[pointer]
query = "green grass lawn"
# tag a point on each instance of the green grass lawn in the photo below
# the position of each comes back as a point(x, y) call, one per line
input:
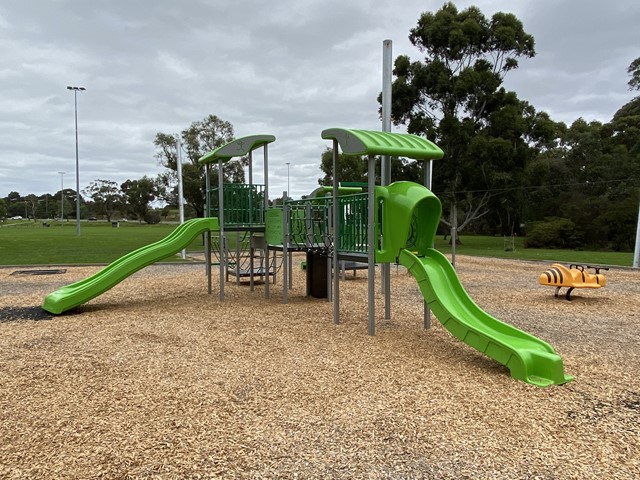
point(499, 247)
point(28, 243)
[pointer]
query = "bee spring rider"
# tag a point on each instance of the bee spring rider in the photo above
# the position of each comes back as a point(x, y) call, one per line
point(573, 277)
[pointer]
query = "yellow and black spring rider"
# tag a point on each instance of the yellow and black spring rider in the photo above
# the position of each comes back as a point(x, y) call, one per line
point(576, 276)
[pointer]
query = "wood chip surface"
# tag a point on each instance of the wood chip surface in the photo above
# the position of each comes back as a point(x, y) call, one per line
point(158, 379)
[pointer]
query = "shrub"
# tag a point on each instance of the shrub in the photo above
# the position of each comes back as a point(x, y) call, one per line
point(152, 217)
point(553, 232)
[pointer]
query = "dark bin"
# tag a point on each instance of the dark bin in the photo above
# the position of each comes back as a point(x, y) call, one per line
point(316, 275)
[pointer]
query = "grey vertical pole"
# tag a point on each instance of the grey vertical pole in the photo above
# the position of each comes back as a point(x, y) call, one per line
point(636, 253)
point(386, 160)
point(251, 249)
point(290, 269)
point(237, 257)
point(285, 253)
point(454, 228)
point(336, 237)
point(428, 171)
point(183, 252)
point(223, 246)
point(75, 103)
point(266, 207)
point(371, 272)
point(330, 257)
point(207, 238)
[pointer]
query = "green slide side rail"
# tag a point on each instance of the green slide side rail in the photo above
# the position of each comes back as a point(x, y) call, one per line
point(80, 292)
point(528, 358)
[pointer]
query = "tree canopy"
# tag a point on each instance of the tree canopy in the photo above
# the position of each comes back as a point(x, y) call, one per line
point(634, 71)
point(454, 96)
point(199, 138)
point(139, 194)
point(107, 197)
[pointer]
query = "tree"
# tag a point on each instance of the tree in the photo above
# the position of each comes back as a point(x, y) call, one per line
point(3, 209)
point(31, 202)
point(455, 97)
point(63, 204)
point(107, 197)
point(634, 71)
point(351, 168)
point(200, 138)
point(139, 194)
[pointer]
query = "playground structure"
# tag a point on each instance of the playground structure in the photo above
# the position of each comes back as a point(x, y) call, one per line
point(385, 224)
point(573, 277)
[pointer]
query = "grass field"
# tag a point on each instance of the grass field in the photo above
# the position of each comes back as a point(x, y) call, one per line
point(484, 246)
point(28, 243)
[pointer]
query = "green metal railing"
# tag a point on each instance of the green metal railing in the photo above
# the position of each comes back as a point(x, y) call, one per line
point(243, 204)
point(308, 222)
point(354, 214)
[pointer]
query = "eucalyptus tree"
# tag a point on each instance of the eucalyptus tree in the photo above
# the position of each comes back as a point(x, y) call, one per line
point(139, 194)
point(454, 96)
point(634, 71)
point(107, 197)
point(199, 138)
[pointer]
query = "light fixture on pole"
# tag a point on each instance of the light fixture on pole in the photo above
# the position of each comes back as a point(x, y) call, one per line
point(75, 91)
point(288, 187)
point(62, 196)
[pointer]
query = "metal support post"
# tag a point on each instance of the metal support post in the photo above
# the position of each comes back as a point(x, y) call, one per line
point(336, 237)
point(636, 253)
point(223, 249)
point(267, 262)
point(207, 240)
point(428, 175)
point(183, 252)
point(385, 173)
point(454, 232)
point(285, 256)
point(371, 257)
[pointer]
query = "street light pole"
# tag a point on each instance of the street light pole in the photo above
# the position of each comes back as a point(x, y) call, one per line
point(75, 105)
point(62, 196)
point(288, 191)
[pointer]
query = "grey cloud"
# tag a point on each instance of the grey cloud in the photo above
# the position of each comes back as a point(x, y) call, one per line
point(290, 68)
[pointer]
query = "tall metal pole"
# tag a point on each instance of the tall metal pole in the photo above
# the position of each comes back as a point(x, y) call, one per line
point(75, 105)
point(267, 260)
point(223, 241)
point(183, 252)
point(371, 257)
point(386, 162)
point(636, 254)
point(207, 238)
point(288, 186)
point(428, 175)
point(335, 267)
point(62, 196)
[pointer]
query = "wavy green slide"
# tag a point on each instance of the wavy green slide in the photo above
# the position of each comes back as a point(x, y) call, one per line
point(410, 222)
point(528, 358)
point(80, 292)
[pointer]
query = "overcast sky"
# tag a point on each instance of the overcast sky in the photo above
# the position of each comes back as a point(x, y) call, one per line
point(290, 68)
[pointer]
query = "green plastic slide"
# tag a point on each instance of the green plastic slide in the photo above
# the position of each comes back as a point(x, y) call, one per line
point(80, 292)
point(528, 358)
point(410, 220)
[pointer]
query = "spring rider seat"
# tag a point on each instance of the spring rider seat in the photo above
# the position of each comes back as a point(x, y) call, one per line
point(573, 277)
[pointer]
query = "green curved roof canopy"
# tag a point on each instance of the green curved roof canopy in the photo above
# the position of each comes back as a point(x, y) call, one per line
point(236, 148)
point(368, 142)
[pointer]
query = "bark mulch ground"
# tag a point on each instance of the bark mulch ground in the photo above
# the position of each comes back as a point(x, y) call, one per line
point(157, 379)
